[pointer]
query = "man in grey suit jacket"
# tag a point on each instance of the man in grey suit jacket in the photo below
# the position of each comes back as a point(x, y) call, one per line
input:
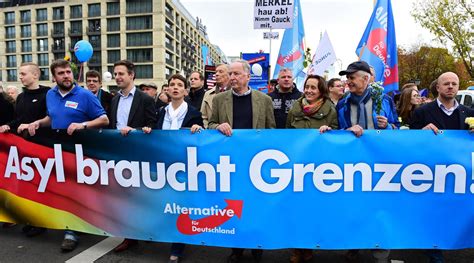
point(241, 108)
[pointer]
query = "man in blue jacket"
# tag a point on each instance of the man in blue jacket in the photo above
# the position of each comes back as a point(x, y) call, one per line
point(364, 108)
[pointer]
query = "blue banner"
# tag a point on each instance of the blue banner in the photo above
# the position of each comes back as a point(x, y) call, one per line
point(259, 65)
point(378, 45)
point(265, 189)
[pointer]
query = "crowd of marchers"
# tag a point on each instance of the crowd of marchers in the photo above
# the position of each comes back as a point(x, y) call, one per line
point(352, 104)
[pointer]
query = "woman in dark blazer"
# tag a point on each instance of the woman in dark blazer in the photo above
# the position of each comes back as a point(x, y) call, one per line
point(176, 115)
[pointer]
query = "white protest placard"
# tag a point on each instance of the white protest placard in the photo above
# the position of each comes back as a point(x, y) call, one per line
point(271, 35)
point(275, 14)
point(324, 56)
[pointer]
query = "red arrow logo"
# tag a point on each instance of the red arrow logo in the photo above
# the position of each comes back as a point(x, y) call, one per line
point(288, 59)
point(188, 226)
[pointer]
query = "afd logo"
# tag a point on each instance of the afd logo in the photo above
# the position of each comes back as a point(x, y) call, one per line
point(197, 220)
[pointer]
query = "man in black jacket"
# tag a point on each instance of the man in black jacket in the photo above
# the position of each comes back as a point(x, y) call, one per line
point(31, 103)
point(445, 113)
point(196, 94)
point(94, 84)
point(131, 109)
point(284, 97)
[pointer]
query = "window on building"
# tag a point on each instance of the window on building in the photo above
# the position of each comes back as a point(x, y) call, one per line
point(58, 28)
point(58, 43)
point(144, 71)
point(58, 13)
point(10, 32)
point(95, 41)
point(26, 46)
point(167, 72)
point(25, 31)
point(59, 55)
point(94, 10)
point(41, 30)
point(168, 9)
point(95, 59)
point(26, 58)
point(41, 14)
point(139, 22)
point(113, 8)
point(11, 47)
point(9, 18)
point(44, 74)
point(113, 56)
point(139, 6)
point(76, 27)
point(140, 55)
point(94, 25)
point(113, 40)
point(74, 40)
point(76, 11)
point(42, 44)
point(113, 24)
point(43, 60)
point(139, 39)
point(11, 75)
point(25, 16)
point(11, 61)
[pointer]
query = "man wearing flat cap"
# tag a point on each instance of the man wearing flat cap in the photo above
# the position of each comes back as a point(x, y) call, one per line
point(358, 110)
point(151, 90)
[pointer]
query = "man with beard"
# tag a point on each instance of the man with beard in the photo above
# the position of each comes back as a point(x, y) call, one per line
point(222, 82)
point(445, 112)
point(70, 107)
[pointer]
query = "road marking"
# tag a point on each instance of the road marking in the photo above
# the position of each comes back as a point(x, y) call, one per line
point(96, 251)
point(396, 261)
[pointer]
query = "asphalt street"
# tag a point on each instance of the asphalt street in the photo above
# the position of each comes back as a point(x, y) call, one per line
point(15, 247)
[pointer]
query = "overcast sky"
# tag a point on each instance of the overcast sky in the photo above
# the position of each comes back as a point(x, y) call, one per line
point(230, 25)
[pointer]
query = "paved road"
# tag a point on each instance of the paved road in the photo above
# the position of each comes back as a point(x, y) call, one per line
point(15, 247)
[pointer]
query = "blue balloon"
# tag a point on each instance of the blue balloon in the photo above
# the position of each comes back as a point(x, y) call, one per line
point(83, 50)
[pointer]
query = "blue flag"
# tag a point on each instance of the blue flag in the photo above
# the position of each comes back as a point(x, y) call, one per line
point(378, 45)
point(423, 93)
point(206, 56)
point(292, 48)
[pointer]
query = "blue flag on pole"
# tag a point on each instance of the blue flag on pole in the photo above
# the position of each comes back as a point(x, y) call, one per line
point(292, 48)
point(378, 45)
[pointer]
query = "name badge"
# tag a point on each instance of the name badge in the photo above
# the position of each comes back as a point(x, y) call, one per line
point(71, 104)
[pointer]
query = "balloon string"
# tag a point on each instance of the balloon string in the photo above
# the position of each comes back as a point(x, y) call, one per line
point(80, 73)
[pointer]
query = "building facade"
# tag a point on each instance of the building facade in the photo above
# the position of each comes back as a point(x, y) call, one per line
point(160, 37)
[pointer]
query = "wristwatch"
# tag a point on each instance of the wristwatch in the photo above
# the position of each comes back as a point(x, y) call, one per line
point(84, 124)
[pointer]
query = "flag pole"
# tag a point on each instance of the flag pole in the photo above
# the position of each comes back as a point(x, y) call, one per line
point(270, 55)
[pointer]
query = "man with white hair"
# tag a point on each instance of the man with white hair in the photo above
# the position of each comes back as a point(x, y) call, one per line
point(241, 107)
point(12, 91)
point(358, 110)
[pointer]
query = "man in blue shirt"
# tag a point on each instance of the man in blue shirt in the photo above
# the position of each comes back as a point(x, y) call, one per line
point(70, 107)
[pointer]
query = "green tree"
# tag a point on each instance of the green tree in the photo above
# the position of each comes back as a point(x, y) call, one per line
point(452, 22)
point(426, 64)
